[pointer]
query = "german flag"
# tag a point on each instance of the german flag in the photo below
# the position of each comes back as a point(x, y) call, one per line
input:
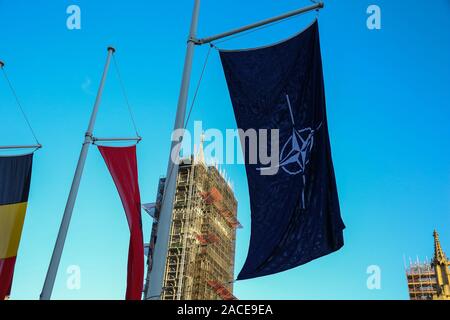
point(15, 176)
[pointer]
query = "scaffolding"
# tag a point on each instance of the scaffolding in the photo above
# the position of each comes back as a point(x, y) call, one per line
point(421, 277)
point(200, 259)
point(221, 290)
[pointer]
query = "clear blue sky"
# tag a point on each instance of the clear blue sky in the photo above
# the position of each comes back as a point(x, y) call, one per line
point(388, 106)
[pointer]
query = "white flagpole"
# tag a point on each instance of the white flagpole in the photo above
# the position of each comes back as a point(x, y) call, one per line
point(165, 218)
point(62, 234)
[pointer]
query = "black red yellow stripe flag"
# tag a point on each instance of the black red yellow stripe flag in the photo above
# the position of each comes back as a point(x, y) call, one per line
point(15, 176)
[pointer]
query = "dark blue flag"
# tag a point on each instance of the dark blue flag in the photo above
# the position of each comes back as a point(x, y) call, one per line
point(295, 208)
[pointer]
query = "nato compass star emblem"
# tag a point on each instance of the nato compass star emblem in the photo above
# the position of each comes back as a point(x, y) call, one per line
point(296, 152)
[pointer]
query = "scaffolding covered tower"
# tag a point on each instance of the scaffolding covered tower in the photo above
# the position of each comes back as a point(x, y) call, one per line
point(200, 258)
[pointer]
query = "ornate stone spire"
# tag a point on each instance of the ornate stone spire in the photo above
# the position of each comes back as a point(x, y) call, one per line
point(439, 255)
point(441, 266)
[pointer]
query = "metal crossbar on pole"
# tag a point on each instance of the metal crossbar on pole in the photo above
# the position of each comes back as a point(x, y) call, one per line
point(202, 41)
point(36, 146)
point(95, 139)
point(62, 234)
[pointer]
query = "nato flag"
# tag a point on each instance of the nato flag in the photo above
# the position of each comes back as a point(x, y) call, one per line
point(295, 209)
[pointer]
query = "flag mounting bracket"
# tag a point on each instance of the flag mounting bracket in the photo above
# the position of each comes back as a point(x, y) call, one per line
point(202, 41)
point(95, 139)
point(35, 146)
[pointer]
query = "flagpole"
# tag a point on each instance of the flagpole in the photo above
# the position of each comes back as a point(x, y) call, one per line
point(62, 234)
point(165, 218)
